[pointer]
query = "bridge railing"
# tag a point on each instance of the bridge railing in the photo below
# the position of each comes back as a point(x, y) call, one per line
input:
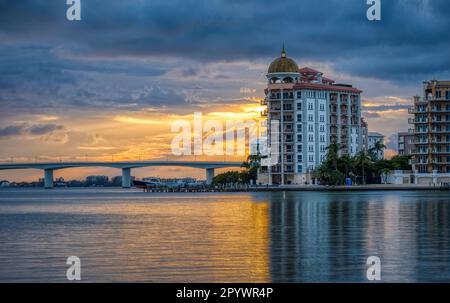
point(69, 159)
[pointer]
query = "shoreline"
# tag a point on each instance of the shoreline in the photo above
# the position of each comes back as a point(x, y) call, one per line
point(317, 188)
point(261, 188)
point(369, 187)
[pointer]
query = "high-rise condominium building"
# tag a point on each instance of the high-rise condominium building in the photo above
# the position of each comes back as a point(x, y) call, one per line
point(313, 112)
point(405, 142)
point(432, 128)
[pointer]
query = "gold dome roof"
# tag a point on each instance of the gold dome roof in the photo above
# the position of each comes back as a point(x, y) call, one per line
point(283, 64)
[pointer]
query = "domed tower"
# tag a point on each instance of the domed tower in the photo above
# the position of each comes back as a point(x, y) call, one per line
point(283, 70)
point(283, 74)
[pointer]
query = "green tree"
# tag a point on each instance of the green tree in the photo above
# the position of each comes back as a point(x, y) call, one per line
point(252, 164)
point(362, 161)
point(376, 149)
point(333, 154)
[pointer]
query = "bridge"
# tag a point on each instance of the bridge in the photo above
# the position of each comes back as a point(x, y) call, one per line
point(125, 166)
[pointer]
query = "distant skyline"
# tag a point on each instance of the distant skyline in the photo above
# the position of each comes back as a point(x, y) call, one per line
point(109, 86)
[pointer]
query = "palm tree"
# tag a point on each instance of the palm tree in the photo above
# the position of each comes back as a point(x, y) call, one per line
point(375, 150)
point(333, 154)
point(347, 164)
point(362, 160)
point(252, 164)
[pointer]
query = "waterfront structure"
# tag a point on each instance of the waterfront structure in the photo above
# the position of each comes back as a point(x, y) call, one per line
point(4, 183)
point(365, 132)
point(125, 166)
point(372, 139)
point(97, 180)
point(313, 111)
point(405, 142)
point(432, 128)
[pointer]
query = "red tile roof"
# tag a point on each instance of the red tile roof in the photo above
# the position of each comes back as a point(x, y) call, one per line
point(319, 86)
point(308, 70)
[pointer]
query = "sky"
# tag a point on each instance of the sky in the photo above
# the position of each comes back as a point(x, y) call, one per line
point(109, 86)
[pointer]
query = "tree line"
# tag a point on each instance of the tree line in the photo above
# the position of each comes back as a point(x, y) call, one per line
point(363, 168)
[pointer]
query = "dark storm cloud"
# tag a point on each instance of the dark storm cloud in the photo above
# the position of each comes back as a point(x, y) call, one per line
point(42, 129)
point(31, 129)
point(48, 60)
point(411, 41)
point(12, 130)
point(371, 115)
point(385, 107)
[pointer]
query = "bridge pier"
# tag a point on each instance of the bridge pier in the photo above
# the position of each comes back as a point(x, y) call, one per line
point(48, 178)
point(209, 175)
point(126, 177)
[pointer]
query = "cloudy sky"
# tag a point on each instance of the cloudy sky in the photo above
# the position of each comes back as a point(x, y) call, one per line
point(108, 86)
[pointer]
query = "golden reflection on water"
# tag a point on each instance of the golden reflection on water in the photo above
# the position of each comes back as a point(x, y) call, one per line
point(223, 241)
point(223, 237)
point(159, 238)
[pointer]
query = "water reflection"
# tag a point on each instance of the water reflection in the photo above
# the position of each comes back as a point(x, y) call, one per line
point(328, 236)
point(221, 237)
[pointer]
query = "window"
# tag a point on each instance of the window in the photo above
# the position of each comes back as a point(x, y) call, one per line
point(299, 138)
point(310, 138)
point(287, 106)
point(310, 128)
point(310, 118)
point(322, 118)
point(300, 168)
point(322, 138)
point(322, 128)
point(438, 94)
point(322, 148)
point(311, 158)
point(321, 107)
point(299, 94)
point(299, 158)
point(311, 148)
point(310, 106)
point(299, 106)
point(447, 95)
point(299, 128)
point(299, 117)
point(299, 148)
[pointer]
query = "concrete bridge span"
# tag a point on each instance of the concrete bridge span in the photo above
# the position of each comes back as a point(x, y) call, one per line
point(125, 166)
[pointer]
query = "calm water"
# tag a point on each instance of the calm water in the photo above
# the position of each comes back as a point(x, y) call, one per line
point(123, 235)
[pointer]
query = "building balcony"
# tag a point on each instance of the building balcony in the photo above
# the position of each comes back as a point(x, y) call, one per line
point(417, 121)
point(440, 121)
point(440, 110)
point(421, 131)
point(419, 152)
point(442, 131)
point(420, 101)
point(442, 152)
